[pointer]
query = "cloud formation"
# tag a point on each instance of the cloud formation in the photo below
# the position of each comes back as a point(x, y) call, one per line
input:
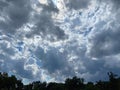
point(77, 4)
point(39, 40)
point(13, 15)
point(106, 43)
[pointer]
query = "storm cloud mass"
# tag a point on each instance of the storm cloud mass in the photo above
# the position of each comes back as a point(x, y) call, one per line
point(54, 39)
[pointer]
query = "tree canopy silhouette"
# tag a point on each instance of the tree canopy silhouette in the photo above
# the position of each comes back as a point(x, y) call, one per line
point(75, 83)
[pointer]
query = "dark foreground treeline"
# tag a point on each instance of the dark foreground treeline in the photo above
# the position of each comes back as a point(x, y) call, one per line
point(75, 83)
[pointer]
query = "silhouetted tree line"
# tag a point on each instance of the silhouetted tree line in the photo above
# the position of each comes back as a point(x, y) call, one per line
point(75, 83)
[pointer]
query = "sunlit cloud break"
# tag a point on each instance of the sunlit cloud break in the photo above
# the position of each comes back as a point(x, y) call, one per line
point(50, 40)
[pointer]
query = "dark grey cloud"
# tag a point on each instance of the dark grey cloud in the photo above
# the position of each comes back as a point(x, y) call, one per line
point(15, 14)
point(20, 70)
point(44, 24)
point(54, 61)
point(17, 67)
point(116, 3)
point(77, 4)
point(106, 43)
point(3, 4)
point(45, 27)
point(10, 64)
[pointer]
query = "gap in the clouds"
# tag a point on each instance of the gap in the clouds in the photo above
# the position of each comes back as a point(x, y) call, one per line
point(55, 2)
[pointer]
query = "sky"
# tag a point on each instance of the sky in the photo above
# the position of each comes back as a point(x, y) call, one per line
point(51, 40)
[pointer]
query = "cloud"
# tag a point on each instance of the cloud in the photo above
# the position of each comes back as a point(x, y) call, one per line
point(20, 70)
point(116, 3)
point(44, 24)
point(14, 15)
point(54, 61)
point(13, 31)
point(106, 43)
point(46, 28)
point(41, 41)
point(103, 42)
point(2, 4)
point(77, 4)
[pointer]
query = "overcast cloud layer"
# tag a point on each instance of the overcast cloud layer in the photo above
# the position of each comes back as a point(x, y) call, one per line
point(51, 40)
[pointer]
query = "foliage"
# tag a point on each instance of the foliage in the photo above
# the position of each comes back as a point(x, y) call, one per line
point(75, 83)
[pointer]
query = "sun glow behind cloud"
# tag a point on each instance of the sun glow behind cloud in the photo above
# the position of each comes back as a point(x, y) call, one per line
point(54, 40)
